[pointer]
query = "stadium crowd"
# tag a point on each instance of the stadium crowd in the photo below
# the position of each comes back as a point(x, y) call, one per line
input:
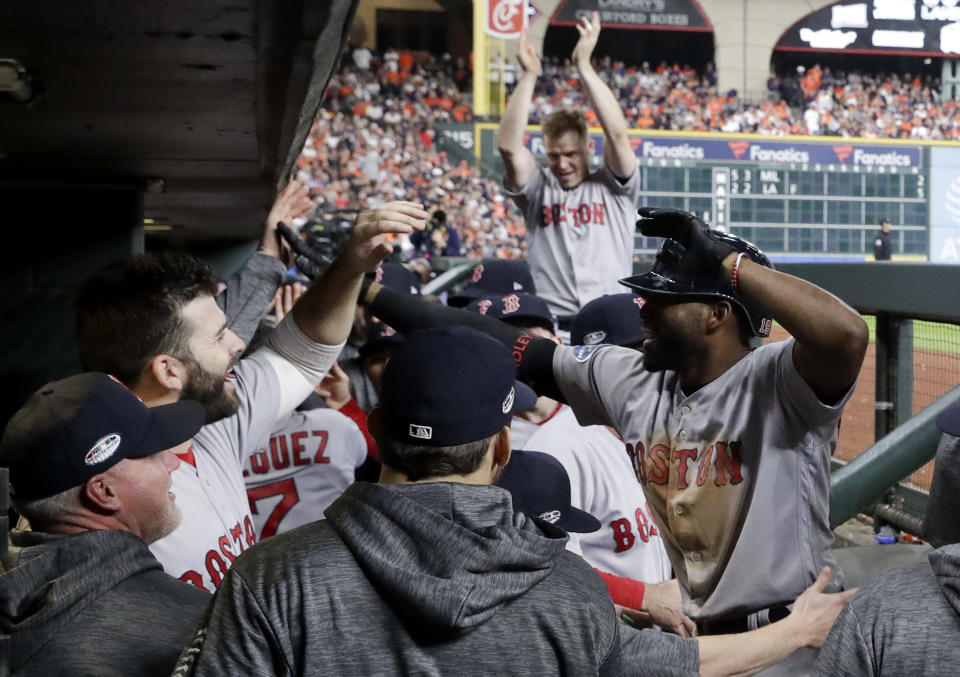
point(813, 101)
point(375, 141)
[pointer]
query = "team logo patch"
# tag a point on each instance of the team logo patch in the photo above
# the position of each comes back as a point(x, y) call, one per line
point(103, 449)
point(421, 432)
point(508, 403)
point(583, 353)
point(552, 516)
point(595, 337)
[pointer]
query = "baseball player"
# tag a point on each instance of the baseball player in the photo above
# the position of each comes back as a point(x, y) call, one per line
point(731, 444)
point(310, 459)
point(579, 223)
point(602, 481)
point(153, 323)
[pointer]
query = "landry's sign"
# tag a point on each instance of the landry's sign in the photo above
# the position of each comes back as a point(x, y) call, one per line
point(649, 14)
point(692, 149)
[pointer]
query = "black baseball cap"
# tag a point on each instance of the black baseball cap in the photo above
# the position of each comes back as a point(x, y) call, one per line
point(449, 386)
point(515, 307)
point(81, 426)
point(493, 277)
point(613, 319)
point(540, 488)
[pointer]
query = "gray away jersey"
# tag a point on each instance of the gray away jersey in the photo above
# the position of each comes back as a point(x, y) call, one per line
point(216, 525)
point(737, 474)
point(580, 240)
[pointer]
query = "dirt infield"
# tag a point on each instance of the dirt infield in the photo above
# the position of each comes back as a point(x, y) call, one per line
point(934, 373)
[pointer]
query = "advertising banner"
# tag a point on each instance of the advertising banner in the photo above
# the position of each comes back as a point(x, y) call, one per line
point(648, 14)
point(774, 151)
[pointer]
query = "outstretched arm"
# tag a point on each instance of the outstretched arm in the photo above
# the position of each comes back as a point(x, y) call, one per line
point(831, 336)
point(306, 343)
point(617, 153)
point(406, 312)
point(518, 162)
point(748, 653)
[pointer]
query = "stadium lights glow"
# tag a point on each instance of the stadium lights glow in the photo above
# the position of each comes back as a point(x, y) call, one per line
point(157, 228)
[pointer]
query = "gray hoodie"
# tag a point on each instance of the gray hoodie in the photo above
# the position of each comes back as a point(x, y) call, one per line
point(905, 621)
point(97, 603)
point(423, 579)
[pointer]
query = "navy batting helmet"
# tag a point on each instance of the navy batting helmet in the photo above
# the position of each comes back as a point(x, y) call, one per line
point(668, 277)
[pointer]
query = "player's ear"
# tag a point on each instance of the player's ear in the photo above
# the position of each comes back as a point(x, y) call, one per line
point(719, 315)
point(501, 448)
point(100, 493)
point(168, 371)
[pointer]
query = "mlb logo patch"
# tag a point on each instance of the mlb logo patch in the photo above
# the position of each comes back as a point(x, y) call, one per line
point(420, 432)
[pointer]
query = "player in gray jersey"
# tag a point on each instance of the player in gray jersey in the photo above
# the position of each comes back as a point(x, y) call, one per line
point(579, 223)
point(732, 444)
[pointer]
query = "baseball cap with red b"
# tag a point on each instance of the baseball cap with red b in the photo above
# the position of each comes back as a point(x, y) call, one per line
point(72, 429)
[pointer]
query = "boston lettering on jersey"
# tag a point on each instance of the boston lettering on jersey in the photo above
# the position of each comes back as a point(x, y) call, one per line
point(623, 537)
point(719, 462)
point(579, 216)
point(228, 549)
point(290, 449)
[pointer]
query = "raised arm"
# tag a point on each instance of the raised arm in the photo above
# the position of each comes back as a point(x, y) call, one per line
point(325, 312)
point(617, 153)
point(518, 162)
point(307, 342)
point(248, 293)
point(831, 336)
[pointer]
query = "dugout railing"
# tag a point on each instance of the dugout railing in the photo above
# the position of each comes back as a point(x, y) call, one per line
point(882, 466)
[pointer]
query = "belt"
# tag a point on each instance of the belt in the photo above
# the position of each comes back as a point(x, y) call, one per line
point(730, 625)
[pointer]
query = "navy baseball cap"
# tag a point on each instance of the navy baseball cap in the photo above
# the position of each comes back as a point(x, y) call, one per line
point(395, 276)
point(948, 420)
point(515, 307)
point(449, 386)
point(540, 488)
point(613, 319)
point(72, 429)
point(495, 277)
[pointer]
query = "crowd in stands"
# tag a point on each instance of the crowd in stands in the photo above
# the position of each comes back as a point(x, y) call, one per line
point(375, 141)
point(812, 101)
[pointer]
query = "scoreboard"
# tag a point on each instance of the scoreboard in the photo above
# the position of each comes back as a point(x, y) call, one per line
point(797, 198)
